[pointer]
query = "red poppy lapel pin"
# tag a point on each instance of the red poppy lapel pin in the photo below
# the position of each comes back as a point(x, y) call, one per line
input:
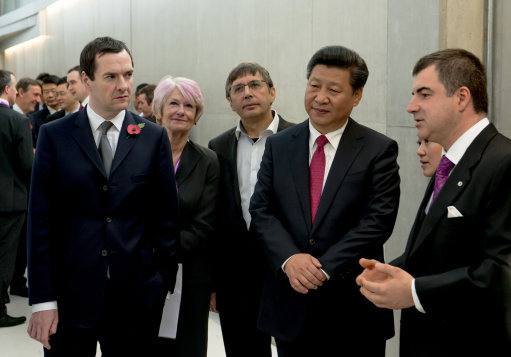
point(134, 130)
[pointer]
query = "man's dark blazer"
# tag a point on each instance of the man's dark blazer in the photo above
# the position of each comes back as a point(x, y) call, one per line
point(240, 263)
point(57, 115)
point(16, 156)
point(460, 264)
point(356, 215)
point(81, 224)
point(37, 119)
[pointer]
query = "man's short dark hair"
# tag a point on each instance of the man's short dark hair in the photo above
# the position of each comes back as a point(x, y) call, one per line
point(62, 80)
point(139, 88)
point(51, 79)
point(5, 79)
point(41, 76)
point(343, 58)
point(458, 68)
point(76, 68)
point(24, 83)
point(245, 68)
point(148, 90)
point(98, 47)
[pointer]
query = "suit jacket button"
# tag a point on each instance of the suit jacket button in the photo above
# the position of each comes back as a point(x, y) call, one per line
point(108, 219)
point(312, 241)
point(105, 188)
point(104, 253)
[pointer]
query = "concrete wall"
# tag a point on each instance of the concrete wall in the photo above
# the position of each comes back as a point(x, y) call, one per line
point(205, 39)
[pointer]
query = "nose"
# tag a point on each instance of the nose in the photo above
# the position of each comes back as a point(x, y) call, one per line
point(248, 92)
point(420, 151)
point(321, 97)
point(412, 106)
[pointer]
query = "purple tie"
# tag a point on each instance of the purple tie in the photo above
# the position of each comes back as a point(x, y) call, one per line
point(317, 173)
point(442, 174)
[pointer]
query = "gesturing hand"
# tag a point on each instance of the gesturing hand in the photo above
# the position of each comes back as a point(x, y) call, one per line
point(385, 285)
point(304, 273)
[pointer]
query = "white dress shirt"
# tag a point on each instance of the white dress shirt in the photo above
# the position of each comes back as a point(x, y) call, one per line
point(455, 153)
point(248, 160)
point(113, 137)
point(17, 108)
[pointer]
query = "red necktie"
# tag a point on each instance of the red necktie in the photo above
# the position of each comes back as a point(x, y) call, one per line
point(317, 173)
point(81, 107)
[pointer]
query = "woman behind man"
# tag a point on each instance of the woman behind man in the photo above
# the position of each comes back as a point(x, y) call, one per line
point(178, 105)
point(429, 154)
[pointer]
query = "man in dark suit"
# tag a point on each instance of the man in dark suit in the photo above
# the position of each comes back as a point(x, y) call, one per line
point(65, 100)
point(15, 166)
point(40, 117)
point(250, 92)
point(327, 194)
point(102, 223)
point(450, 280)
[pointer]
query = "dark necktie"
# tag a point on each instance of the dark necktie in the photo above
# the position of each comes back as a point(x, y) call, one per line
point(317, 174)
point(105, 149)
point(441, 175)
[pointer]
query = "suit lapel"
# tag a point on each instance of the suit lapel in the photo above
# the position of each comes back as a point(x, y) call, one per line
point(189, 159)
point(299, 166)
point(349, 147)
point(82, 134)
point(456, 183)
point(232, 151)
point(125, 143)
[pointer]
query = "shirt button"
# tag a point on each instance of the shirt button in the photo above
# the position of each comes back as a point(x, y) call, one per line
point(105, 188)
point(312, 241)
point(108, 219)
point(104, 253)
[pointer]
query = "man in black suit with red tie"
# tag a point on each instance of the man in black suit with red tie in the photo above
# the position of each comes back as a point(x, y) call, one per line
point(103, 219)
point(15, 165)
point(327, 194)
point(452, 280)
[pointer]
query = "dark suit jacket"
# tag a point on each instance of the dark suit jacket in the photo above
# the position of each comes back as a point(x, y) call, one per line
point(57, 115)
point(16, 156)
point(460, 264)
point(197, 180)
point(236, 247)
point(355, 217)
point(80, 223)
point(38, 118)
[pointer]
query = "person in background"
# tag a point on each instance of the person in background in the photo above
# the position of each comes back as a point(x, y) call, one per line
point(137, 92)
point(66, 101)
point(29, 95)
point(429, 154)
point(178, 105)
point(15, 165)
point(76, 87)
point(145, 102)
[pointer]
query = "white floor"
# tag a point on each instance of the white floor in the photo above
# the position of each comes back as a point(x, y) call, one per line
point(14, 341)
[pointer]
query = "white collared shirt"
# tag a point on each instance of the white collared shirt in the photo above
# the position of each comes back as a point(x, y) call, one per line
point(112, 134)
point(330, 147)
point(454, 154)
point(17, 108)
point(85, 102)
point(248, 160)
point(3, 101)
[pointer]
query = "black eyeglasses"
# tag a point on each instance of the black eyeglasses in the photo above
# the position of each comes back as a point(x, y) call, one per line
point(254, 85)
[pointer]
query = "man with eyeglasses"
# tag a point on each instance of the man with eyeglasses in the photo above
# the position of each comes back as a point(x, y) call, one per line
point(40, 117)
point(241, 265)
point(65, 100)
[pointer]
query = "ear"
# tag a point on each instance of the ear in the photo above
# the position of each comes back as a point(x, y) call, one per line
point(464, 97)
point(86, 81)
point(272, 94)
point(357, 94)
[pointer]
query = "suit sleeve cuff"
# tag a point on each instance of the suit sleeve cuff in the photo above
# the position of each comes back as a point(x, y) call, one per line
point(416, 300)
point(50, 305)
point(283, 266)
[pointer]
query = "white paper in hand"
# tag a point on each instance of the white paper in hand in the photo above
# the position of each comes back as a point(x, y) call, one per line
point(170, 315)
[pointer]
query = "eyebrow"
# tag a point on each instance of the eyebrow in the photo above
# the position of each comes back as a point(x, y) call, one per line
point(420, 89)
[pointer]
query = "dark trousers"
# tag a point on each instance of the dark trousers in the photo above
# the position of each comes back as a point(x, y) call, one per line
point(124, 330)
point(11, 224)
point(18, 280)
point(192, 327)
point(239, 310)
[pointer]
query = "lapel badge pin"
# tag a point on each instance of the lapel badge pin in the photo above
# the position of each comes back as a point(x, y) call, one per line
point(460, 183)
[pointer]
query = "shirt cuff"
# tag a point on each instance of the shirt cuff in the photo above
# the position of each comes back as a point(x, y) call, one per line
point(416, 300)
point(50, 305)
point(284, 264)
